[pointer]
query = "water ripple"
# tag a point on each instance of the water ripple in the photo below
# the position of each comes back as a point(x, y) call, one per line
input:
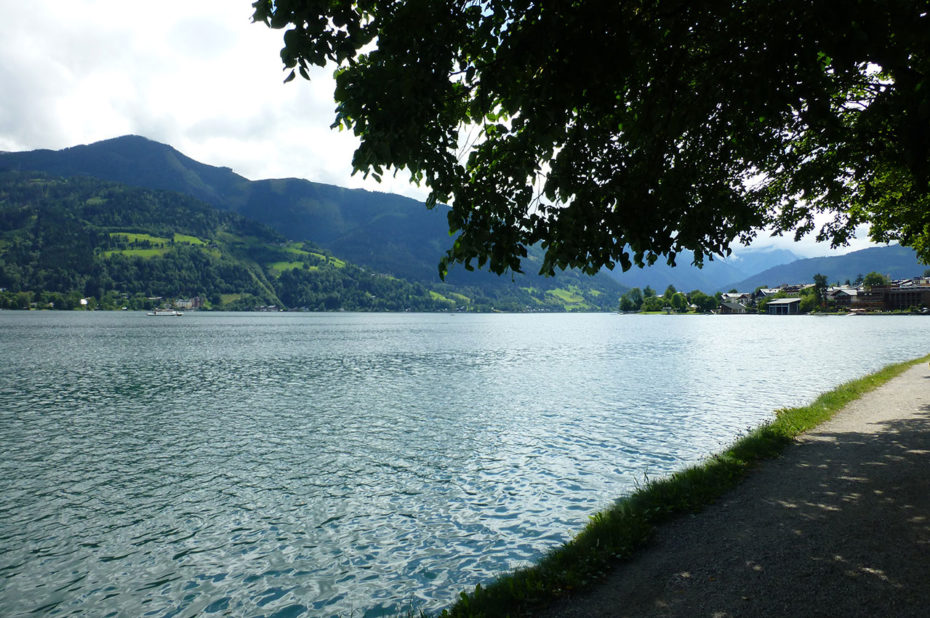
point(357, 464)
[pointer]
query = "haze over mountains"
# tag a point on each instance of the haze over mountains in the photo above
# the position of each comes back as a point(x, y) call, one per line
point(719, 274)
point(748, 269)
point(398, 236)
point(895, 261)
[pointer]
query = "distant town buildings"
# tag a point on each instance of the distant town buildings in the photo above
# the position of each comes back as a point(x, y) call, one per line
point(728, 307)
point(195, 302)
point(901, 295)
point(783, 306)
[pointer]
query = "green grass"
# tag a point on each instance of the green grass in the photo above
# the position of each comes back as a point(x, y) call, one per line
point(437, 296)
point(618, 532)
point(187, 240)
point(297, 249)
point(158, 244)
point(225, 299)
point(336, 262)
point(134, 237)
point(141, 253)
point(279, 267)
point(534, 294)
point(570, 298)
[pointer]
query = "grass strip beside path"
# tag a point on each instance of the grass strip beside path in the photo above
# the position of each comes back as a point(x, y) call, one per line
point(616, 533)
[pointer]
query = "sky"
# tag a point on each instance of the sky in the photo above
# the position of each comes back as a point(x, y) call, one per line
point(199, 76)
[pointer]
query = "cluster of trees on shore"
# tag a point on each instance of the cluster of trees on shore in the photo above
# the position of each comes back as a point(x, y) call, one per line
point(75, 300)
point(647, 300)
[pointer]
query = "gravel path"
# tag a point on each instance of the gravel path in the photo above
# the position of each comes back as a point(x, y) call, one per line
point(839, 525)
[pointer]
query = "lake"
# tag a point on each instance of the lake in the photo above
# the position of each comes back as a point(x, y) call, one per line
point(359, 464)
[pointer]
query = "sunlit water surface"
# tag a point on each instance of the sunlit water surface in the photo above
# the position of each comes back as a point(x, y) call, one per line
point(360, 464)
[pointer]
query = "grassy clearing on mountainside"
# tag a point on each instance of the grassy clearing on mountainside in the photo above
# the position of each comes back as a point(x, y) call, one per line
point(146, 253)
point(226, 299)
point(131, 237)
point(279, 267)
point(437, 296)
point(188, 240)
point(570, 298)
point(152, 246)
point(297, 249)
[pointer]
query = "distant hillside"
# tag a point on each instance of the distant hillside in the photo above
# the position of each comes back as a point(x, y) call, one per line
point(387, 233)
point(91, 237)
point(135, 161)
point(714, 275)
point(895, 261)
point(82, 236)
point(390, 233)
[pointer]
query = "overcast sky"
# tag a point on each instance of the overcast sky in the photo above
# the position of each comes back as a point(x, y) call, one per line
point(197, 75)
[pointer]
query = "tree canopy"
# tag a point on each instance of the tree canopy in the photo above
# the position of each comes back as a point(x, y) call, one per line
point(820, 289)
point(619, 132)
point(873, 279)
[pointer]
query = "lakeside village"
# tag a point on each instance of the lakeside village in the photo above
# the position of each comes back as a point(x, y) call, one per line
point(871, 294)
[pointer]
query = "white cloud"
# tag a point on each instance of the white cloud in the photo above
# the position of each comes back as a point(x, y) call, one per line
point(196, 75)
point(808, 246)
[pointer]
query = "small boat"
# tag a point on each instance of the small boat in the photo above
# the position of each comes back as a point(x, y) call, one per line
point(171, 312)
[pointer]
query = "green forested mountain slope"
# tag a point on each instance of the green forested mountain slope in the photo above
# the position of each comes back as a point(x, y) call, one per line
point(390, 233)
point(89, 236)
point(134, 161)
point(94, 238)
point(82, 236)
point(387, 233)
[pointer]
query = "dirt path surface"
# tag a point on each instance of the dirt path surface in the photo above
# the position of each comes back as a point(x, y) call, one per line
point(839, 525)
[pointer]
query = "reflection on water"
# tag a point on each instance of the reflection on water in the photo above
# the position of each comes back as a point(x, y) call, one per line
point(324, 464)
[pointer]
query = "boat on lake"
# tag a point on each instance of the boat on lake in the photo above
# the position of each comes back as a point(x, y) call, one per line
point(158, 312)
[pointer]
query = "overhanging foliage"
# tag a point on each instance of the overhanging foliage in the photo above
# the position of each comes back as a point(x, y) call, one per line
point(618, 132)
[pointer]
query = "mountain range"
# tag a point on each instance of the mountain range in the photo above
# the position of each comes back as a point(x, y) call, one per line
point(716, 274)
point(65, 238)
point(894, 261)
point(394, 236)
point(746, 269)
point(400, 238)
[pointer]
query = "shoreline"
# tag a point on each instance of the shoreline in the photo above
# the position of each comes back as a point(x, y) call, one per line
point(622, 533)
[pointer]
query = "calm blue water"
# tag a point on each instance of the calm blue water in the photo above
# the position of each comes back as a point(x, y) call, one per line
point(357, 464)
